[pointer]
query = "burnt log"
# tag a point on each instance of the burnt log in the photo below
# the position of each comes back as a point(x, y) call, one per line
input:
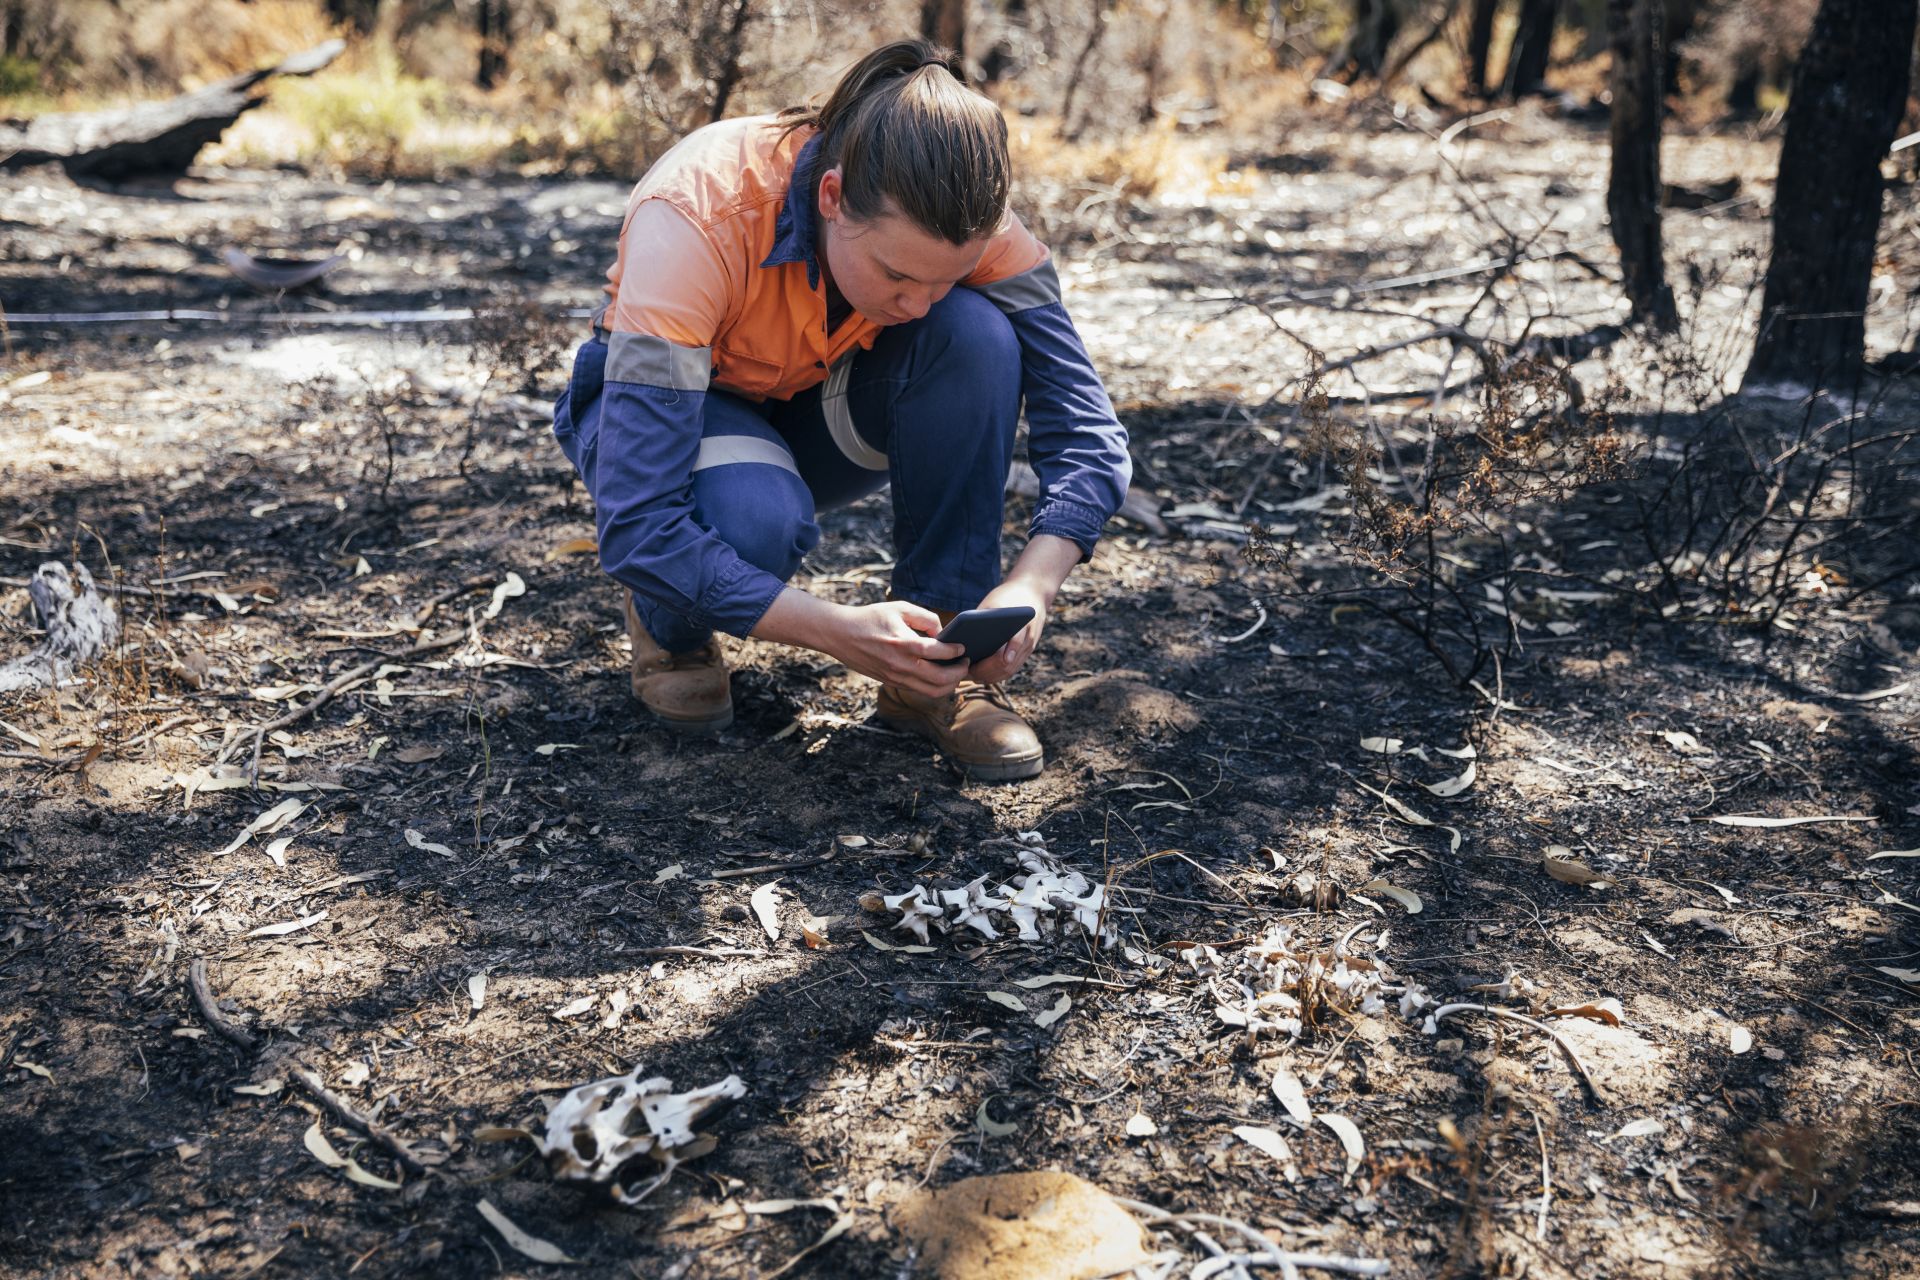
point(148, 139)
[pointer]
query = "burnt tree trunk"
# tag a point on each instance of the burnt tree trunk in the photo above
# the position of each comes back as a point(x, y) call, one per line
point(1094, 32)
point(1364, 51)
point(358, 15)
point(13, 21)
point(1848, 92)
point(726, 70)
point(1376, 23)
point(944, 22)
point(1743, 91)
point(1675, 26)
point(495, 18)
point(1411, 49)
point(1480, 44)
point(1532, 48)
point(1633, 182)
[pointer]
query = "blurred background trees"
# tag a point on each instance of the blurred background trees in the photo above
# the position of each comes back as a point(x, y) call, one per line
point(675, 63)
point(1106, 88)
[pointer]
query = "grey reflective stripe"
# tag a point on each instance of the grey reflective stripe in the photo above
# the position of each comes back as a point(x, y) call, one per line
point(833, 406)
point(719, 451)
point(655, 362)
point(1029, 289)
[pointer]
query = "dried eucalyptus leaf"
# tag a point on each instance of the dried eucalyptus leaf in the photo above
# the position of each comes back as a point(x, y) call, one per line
point(766, 908)
point(531, 1246)
point(1272, 1144)
point(1292, 1095)
point(988, 1125)
point(322, 1150)
point(512, 586)
point(1405, 897)
point(1349, 1134)
point(1455, 785)
point(1560, 863)
point(355, 1173)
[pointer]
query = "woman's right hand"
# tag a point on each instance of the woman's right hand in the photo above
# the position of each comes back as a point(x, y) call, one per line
point(892, 642)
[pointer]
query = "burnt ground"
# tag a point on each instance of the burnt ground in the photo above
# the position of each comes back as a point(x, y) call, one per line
point(311, 498)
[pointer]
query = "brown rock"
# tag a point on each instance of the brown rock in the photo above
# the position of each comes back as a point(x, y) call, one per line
point(1046, 1225)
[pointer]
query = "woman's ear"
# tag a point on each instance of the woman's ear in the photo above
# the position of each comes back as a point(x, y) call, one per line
point(831, 194)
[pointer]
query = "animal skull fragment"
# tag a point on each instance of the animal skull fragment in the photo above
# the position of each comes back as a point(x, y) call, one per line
point(594, 1130)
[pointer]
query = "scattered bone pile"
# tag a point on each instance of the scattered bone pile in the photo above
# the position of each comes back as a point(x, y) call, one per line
point(1037, 903)
point(595, 1130)
point(1272, 985)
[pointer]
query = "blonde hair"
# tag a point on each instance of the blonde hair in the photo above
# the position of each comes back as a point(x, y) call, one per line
point(910, 137)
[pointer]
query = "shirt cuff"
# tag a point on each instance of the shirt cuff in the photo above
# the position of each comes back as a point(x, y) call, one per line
point(1074, 521)
point(736, 601)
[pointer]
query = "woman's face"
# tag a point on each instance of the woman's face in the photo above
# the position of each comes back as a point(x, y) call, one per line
point(888, 269)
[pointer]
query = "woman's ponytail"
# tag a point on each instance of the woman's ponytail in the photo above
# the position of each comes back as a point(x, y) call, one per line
point(910, 137)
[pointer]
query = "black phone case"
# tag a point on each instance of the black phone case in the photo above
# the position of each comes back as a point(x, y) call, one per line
point(984, 631)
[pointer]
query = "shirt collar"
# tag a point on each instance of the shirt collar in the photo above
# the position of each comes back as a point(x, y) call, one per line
point(793, 230)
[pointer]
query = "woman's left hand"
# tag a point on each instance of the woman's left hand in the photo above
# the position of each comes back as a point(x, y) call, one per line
point(1016, 651)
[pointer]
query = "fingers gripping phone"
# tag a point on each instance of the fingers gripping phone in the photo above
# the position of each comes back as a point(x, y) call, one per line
point(984, 631)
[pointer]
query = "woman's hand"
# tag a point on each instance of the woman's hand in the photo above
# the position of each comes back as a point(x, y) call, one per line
point(1036, 577)
point(892, 643)
point(1015, 652)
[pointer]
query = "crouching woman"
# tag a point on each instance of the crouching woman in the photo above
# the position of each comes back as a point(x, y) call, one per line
point(807, 308)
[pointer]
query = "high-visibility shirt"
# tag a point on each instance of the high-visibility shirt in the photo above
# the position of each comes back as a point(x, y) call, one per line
point(717, 284)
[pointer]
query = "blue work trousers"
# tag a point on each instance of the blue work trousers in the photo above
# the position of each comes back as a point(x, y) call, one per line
point(933, 408)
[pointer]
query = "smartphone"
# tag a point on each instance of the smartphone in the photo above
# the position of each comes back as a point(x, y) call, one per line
point(984, 631)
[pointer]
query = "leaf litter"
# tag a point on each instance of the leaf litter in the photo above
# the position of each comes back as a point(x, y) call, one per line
point(903, 954)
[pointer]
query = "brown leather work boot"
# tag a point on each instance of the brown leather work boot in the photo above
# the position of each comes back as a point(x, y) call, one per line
point(975, 726)
point(686, 692)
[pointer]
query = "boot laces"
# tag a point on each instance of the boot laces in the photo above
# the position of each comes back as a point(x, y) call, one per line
point(973, 691)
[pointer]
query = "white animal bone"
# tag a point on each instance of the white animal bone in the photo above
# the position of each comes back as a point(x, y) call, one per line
point(592, 1130)
point(916, 910)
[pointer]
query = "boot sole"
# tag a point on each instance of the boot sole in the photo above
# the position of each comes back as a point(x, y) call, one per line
point(1016, 770)
point(692, 728)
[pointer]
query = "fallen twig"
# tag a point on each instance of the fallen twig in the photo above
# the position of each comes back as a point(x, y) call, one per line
point(210, 1009)
point(1546, 1181)
point(308, 1079)
point(426, 609)
point(1579, 1067)
point(696, 951)
point(78, 758)
point(326, 695)
point(767, 867)
point(344, 1111)
point(1268, 1254)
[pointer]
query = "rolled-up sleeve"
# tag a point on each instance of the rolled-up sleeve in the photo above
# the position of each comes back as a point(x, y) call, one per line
point(659, 361)
point(1075, 443)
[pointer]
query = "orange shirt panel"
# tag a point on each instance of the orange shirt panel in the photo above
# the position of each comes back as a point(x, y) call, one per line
point(688, 269)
